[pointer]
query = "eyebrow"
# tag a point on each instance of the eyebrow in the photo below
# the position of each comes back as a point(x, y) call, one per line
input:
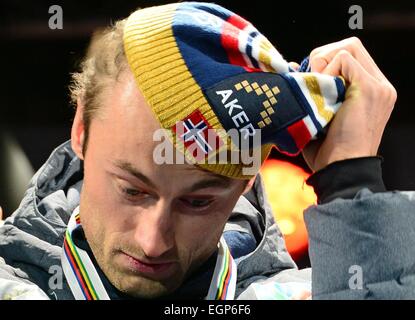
point(128, 167)
point(215, 181)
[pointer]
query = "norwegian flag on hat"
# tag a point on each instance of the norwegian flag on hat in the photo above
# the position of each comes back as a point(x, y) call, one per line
point(197, 135)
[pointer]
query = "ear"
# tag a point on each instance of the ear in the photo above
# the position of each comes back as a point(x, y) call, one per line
point(249, 184)
point(78, 130)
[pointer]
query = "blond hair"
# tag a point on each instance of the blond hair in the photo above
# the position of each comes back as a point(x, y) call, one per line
point(101, 67)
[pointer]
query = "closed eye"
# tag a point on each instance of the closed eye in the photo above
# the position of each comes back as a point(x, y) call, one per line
point(197, 202)
point(131, 192)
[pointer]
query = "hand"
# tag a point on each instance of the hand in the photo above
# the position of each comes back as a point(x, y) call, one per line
point(1, 213)
point(357, 128)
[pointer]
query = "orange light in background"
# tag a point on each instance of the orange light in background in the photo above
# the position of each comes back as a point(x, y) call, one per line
point(289, 196)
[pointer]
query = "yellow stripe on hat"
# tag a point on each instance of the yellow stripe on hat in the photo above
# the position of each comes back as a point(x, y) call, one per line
point(164, 79)
point(315, 93)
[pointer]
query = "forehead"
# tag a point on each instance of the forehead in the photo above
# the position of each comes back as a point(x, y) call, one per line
point(124, 134)
point(124, 104)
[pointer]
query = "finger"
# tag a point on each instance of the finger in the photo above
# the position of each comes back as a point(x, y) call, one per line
point(318, 63)
point(321, 57)
point(344, 64)
point(1, 213)
point(294, 65)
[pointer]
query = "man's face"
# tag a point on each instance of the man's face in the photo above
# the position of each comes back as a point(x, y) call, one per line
point(149, 226)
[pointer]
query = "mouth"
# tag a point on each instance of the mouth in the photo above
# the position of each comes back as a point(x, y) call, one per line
point(153, 270)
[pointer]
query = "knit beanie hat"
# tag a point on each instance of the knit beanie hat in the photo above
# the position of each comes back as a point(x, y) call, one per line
point(200, 66)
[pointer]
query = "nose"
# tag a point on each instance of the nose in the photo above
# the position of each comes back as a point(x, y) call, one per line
point(155, 230)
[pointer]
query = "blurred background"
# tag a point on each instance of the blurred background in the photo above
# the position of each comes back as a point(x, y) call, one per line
point(36, 62)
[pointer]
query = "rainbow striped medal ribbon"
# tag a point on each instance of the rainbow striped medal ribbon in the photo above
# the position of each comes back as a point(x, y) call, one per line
point(223, 284)
point(78, 268)
point(86, 284)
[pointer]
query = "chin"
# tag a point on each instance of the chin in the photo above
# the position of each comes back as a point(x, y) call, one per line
point(146, 289)
point(140, 287)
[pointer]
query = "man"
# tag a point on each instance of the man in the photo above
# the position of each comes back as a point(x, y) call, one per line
point(103, 219)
